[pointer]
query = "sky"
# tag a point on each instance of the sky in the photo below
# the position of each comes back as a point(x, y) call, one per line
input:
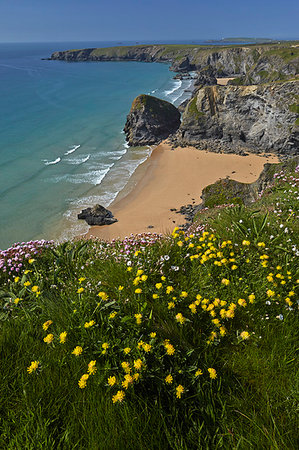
point(144, 20)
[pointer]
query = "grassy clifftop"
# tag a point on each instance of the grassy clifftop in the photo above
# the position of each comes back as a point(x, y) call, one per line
point(190, 335)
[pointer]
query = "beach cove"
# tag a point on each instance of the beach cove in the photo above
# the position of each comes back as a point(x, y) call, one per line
point(168, 179)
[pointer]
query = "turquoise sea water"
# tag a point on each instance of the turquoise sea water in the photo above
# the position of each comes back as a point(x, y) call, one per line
point(61, 141)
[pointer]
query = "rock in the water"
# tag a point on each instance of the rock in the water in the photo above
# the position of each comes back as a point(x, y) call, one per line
point(150, 121)
point(98, 215)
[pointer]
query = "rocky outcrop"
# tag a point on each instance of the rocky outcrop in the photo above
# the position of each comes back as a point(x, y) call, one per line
point(98, 215)
point(206, 77)
point(259, 118)
point(252, 63)
point(227, 191)
point(150, 121)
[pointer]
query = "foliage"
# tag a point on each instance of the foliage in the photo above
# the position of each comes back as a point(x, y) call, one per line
point(191, 335)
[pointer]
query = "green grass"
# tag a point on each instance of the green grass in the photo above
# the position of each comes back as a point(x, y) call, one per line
point(251, 404)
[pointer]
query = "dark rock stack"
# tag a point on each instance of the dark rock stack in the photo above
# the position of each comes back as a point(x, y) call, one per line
point(98, 215)
point(150, 121)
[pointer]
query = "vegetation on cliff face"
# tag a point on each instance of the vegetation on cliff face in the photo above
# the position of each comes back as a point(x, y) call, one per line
point(190, 335)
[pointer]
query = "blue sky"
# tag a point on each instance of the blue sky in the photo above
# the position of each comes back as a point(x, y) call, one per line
point(137, 20)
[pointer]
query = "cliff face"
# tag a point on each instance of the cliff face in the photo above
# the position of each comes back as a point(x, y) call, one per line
point(237, 118)
point(150, 120)
point(253, 64)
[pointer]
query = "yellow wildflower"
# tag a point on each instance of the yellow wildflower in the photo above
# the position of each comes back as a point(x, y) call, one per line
point(242, 302)
point(47, 324)
point(169, 289)
point(27, 283)
point(139, 272)
point(34, 289)
point(126, 366)
point(80, 290)
point(198, 373)
point(171, 305)
point(16, 279)
point(153, 335)
point(127, 350)
point(83, 380)
point(77, 351)
point(147, 348)
point(179, 391)
point(89, 324)
point(180, 243)
point(138, 291)
point(169, 379)
point(128, 379)
point(112, 315)
point(144, 277)
point(270, 293)
point(138, 364)
point(92, 367)
point(138, 318)
point(17, 300)
point(213, 373)
point(81, 279)
point(225, 281)
point(62, 337)
point(33, 366)
point(120, 288)
point(261, 244)
point(111, 381)
point(31, 260)
point(118, 397)
point(246, 243)
point(103, 296)
point(192, 307)
point(251, 298)
point(244, 335)
point(49, 338)
point(155, 296)
point(105, 346)
point(184, 294)
point(234, 267)
point(169, 349)
point(180, 318)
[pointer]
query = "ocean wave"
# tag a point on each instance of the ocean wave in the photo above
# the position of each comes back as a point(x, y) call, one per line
point(93, 177)
point(73, 149)
point(79, 160)
point(177, 85)
point(49, 163)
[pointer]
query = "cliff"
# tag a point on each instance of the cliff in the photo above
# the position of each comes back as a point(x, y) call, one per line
point(150, 120)
point(252, 63)
point(238, 118)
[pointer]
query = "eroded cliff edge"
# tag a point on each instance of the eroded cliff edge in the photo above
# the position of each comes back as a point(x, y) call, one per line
point(255, 118)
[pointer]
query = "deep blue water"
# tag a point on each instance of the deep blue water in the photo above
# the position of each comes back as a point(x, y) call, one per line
point(61, 141)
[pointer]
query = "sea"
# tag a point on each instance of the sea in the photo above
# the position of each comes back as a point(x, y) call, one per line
point(62, 146)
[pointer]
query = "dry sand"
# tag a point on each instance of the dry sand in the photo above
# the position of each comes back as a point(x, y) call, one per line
point(223, 81)
point(171, 179)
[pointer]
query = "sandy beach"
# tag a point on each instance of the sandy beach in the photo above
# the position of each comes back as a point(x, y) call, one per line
point(171, 179)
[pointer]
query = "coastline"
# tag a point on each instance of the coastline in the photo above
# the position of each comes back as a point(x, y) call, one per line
point(171, 178)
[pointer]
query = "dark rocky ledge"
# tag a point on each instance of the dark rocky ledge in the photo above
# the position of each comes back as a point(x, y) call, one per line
point(98, 215)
